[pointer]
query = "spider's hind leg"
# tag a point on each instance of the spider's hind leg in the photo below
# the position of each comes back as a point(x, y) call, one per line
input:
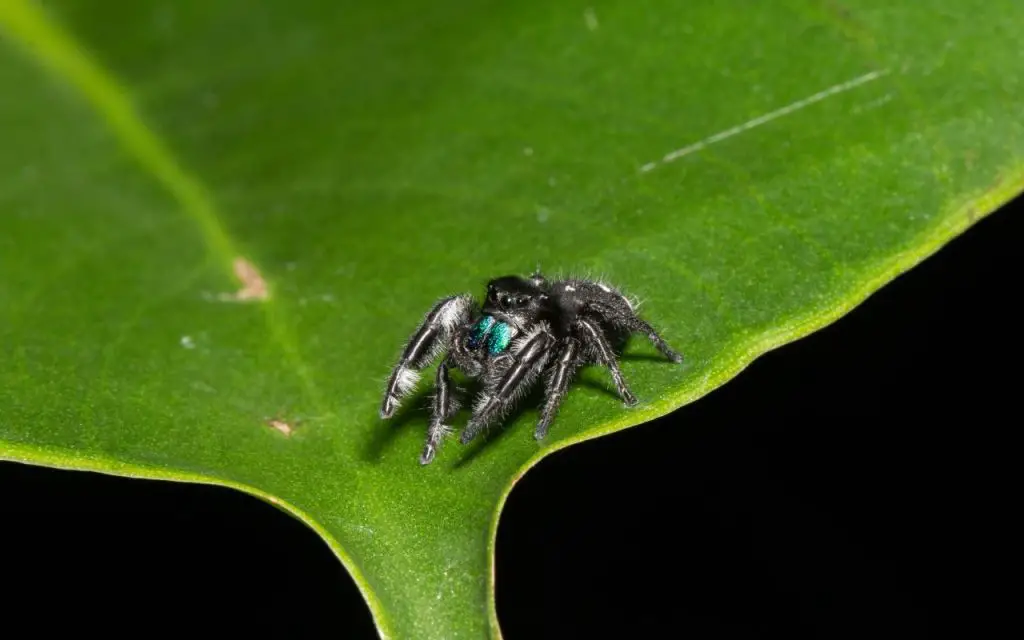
point(594, 338)
point(430, 339)
point(634, 323)
point(623, 316)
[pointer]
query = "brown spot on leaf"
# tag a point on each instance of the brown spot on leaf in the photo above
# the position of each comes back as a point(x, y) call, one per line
point(280, 425)
point(254, 287)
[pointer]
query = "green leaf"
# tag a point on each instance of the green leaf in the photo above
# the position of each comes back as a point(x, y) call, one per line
point(749, 170)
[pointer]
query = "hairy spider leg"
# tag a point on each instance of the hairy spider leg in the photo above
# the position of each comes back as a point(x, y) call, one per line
point(445, 405)
point(429, 340)
point(558, 385)
point(526, 363)
point(537, 278)
point(630, 321)
point(594, 336)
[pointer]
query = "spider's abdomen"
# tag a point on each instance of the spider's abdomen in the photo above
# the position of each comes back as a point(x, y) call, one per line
point(495, 335)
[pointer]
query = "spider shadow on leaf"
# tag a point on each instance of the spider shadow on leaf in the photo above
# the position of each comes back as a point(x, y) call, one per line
point(415, 411)
point(589, 376)
point(500, 429)
point(642, 357)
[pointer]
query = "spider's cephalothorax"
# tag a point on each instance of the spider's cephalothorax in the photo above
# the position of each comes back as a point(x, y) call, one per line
point(526, 328)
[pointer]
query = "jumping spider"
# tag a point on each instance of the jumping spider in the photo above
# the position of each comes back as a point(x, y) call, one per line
point(526, 327)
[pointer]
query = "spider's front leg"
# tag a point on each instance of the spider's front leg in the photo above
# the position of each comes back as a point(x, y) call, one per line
point(431, 337)
point(562, 372)
point(526, 364)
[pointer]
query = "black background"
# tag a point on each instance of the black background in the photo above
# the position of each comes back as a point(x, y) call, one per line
point(853, 484)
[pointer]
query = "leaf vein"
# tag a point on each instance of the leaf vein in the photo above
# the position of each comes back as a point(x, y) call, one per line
point(54, 49)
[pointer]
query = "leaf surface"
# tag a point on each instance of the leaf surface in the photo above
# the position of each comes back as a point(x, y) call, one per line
point(750, 171)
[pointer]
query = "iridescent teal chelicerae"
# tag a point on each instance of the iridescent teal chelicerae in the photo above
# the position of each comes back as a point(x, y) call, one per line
point(500, 336)
point(496, 335)
point(480, 331)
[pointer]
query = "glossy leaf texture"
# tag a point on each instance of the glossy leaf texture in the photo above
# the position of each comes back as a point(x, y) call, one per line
point(750, 171)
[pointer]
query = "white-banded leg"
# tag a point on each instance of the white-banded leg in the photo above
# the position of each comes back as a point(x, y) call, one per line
point(562, 373)
point(594, 337)
point(525, 366)
point(445, 405)
point(430, 338)
point(628, 320)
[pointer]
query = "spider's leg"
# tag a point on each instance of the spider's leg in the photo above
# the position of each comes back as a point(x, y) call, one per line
point(634, 323)
point(629, 320)
point(558, 383)
point(526, 363)
point(445, 405)
point(537, 278)
point(430, 338)
point(594, 337)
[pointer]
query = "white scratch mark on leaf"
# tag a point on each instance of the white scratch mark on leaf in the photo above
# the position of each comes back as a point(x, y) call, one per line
point(590, 19)
point(187, 342)
point(874, 104)
point(768, 117)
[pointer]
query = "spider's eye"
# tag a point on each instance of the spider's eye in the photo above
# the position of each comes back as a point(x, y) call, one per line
point(505, 300)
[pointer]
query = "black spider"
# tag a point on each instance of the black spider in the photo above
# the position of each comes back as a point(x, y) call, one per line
point(526, 326)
